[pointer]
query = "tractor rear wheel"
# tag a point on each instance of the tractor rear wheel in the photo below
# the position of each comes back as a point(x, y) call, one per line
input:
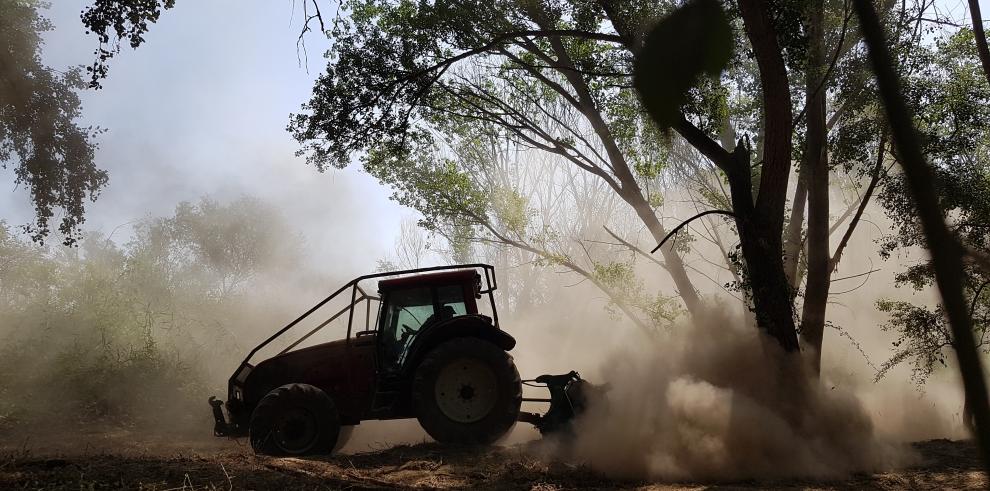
point(467, 391)
point(294, 419)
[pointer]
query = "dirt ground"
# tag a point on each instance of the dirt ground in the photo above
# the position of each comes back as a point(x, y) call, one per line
point(119, 460)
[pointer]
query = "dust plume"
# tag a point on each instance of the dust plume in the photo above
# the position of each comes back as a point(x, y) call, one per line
point(715, 400)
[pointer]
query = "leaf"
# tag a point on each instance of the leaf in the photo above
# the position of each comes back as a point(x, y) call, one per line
point(694, 40)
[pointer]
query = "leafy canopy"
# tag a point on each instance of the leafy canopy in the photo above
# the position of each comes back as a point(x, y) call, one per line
point(39, 134)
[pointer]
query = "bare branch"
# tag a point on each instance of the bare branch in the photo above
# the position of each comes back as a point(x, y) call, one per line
point(689, 220)
point(862, 204)
point(635, 249)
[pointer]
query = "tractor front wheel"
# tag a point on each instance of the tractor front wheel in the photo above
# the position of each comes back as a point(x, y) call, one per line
point(294, 419)
point(467, 391)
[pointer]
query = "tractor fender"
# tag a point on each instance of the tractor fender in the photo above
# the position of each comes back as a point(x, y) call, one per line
point(471, 325)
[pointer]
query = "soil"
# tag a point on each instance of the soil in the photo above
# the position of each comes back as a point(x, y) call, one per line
point(118, 459)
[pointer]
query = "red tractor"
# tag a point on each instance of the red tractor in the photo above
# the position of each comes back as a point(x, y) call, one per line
point(429, 354)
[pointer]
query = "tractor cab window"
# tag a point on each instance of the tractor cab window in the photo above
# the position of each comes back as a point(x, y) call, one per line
point(451, 301)
point(407, 311)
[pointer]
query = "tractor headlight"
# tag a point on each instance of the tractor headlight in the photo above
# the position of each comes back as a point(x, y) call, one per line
point(238, 395)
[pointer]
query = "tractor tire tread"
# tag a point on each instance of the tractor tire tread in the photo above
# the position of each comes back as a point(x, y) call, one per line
point(279, 399)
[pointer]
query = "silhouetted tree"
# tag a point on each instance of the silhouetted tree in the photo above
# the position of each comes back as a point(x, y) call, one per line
point(947, 252)
point(52, 156)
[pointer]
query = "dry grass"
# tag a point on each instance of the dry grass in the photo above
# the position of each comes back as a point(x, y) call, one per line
point(946, 465)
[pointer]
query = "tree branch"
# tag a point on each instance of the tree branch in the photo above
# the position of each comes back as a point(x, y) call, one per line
point(981, 37)
point(862, 204)
point(573, 267)
point(704, 143)
point(689, 220)
point(503, 38)
point(633, 248)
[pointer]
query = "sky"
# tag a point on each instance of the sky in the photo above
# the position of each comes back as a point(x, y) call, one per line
point(201, 109)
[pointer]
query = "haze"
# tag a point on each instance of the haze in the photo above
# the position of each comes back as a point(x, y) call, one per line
point(201, 110)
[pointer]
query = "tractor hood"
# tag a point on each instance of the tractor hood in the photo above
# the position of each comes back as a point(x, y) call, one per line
point(311, 354)
point(322, 365)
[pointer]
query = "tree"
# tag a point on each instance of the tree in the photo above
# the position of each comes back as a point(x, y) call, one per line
point(949, 96)
point(124, 330)
point(759, 222)
point(227, 243)
point(39, 131)
point(557, 79)
point(407, 76)
point(482, 190)
point(412, 248)
point(947, 253)
point(385, 94)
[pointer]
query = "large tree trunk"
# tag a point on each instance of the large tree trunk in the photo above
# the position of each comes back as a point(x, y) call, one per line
point(761, 248)
point(816, 158)
point(761, 225)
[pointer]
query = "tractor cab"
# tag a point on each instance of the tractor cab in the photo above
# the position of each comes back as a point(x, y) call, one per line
point(415, 304)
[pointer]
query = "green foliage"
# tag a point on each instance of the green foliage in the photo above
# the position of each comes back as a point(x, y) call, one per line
point(230, 242)
point(645, 147)
point(511, 210)
point(553, 259)
point(117, 21)
point(52, 156)
point(460, 244)
point(437, 188)
point(135, 331)
point(923, 338)
point(682, 240)
point(382, 81)
point(621, 278)
point(693, 41)
point(655, 199)
point(420, 84)
point(951, 101)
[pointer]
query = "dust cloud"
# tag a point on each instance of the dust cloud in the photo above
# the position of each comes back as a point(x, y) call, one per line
point(709, 398)
point(715, 400)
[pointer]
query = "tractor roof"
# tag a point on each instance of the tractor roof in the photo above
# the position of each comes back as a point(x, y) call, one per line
point(429, 279)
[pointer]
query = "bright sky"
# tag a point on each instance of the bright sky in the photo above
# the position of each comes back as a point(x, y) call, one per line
point(200, 109)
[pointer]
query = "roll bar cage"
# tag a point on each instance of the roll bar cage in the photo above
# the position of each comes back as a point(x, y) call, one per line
point(491, 285)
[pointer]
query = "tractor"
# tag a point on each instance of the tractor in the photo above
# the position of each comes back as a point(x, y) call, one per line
point(429, 354)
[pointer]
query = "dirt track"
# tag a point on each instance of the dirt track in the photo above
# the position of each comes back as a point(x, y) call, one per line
point(947, 465)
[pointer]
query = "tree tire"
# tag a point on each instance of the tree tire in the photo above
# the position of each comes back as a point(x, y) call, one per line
point(294, 420)
point(488, 388)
